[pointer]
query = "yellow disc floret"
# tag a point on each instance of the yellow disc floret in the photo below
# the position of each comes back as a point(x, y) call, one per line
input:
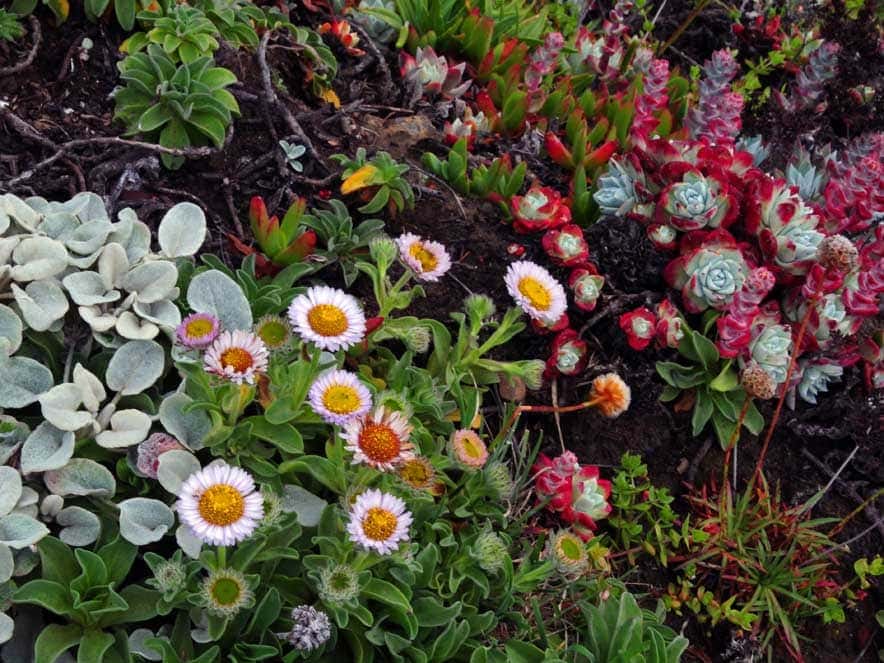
point(221, 505)
point(327, 320)
point(537, 294)
point(379, 524)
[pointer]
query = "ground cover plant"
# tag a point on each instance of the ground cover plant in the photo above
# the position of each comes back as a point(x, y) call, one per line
point(489, 331)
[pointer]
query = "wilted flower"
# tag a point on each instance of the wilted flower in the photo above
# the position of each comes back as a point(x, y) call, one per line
point(468, 449)
point(149, 452)
point(224, 592)
point(379, 439)
point(418, 473)
point(569, 354)
point(586, 284)
point(670, 325)
point(536, 291)
point(541, 208)
point(710, 274)
point(490, 552)
point(566, 245)
point(639, 325)
point(757, 382)
point(610, 394)
point(310, 630)
point(379, 521)
point(838, 252)
point(428, 260)
point(434, 73)
point(198, 330)
point(220, 505)
point(238, 356)
point(696, 202)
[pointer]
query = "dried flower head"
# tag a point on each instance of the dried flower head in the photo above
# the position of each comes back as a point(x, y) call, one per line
point(419, 474)
point(468, 449)
point(757, 382)
point(567, 552)
point(310, 630)
point(838, 252)
point(611, 395)
point(274, 331)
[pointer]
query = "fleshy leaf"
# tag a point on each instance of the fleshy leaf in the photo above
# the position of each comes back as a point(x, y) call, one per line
point(47, 448)
point(81, 476)
point(24, 380)
point(20, 531)
point(81, 527)
point(127, 427)
point(175, 467)
point(216, 293)
point(135, 366)
point(144, 520)
point(182, 230)
point(10, 480)
point(189, 428)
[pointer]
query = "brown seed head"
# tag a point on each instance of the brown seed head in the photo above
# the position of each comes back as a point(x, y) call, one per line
point(838, 252)
point(757, 382)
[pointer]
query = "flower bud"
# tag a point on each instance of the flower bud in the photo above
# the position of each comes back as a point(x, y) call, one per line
point(498, 479)
point(480, 307)
point(490, 552)
point(383, 251)
point(417, 339)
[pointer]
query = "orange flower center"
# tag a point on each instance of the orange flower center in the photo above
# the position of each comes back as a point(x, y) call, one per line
point(221, 505)
point(341, 399)
point(379, 443)
point(237, 358)
point(537, 294)
point(379, 524)
point(427, 259)
point(327, 320)
point(199, 328)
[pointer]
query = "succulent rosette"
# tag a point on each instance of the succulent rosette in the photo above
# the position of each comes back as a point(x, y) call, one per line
point(566, 246)
point(770, 348)
point(669, 329)
point(469, 126)
point(569, 354)
point(574, 491)
point(586, 284)
point(815, 378)
point(617, 191)
point(696, 202)
point(665, 238)
point(639, 325)
point(434, 73)
point(544, 327)
point(709, 272)
point(785, 226)
point(541, 208)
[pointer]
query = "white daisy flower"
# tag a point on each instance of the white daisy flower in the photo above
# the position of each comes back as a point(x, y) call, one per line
point(536, 291)
point(339, 397)
point(379, 521)
point(220, 505)
point(330, 318)
point(237, 355)
point(379, 439)
point(428, 260)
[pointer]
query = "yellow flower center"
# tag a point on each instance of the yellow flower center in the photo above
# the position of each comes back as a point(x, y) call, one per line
point(327, 320)
point(537, 294)
point(379, 443)
point(427, 259)
point(199, 328)
point(341, 399)
point(416, 472)
point(379, 524)
point(237, 358)
point(472, 446)
point(221, 505)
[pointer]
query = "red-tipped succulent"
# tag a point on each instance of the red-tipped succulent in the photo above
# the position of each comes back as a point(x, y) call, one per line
point(575, 492)
point(669, 329)
point(569, 354)
point(586, 283)
point(540, 209)
point(735, 327)
point(640, 327)
point(433, 72)
point(566, 245)
point(283, 242)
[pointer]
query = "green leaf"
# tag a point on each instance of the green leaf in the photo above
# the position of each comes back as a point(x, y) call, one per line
point(321, 469)
point(142, 606)
point(54, 640)
point(153, 118)
point(125, 11)
point(57, 562)
point(52, 596)
point(118, 557)
point(523, 652)
point(726, 380)
point(703, 408)
point(387, 593)
point(265, 613)
point(93, 646)
point(724, 429)
point(753, 421)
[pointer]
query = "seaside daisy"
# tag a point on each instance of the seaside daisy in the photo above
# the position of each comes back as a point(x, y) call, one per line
point(238, 356)
point(275, 331)
point(198, 330)
point(330, 318)
point(339, 397)
point(225, 592)
point(536, 291)
point(379, 439)
point(468, 448)
point(220, 505)
point(379, 521)
point(428, 260)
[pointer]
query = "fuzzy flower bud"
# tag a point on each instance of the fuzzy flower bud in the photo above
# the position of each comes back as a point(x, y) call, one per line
point(311, 628)
point(757, 382)
point(338, 584)
point(383, 251)
point(490, 552)
point(498, 479)
point(417, 339)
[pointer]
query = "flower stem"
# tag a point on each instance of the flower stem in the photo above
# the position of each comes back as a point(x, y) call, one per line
point(546, 409)
point(222, 557)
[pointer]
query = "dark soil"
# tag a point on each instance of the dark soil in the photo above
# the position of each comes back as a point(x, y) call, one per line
point(64, 97)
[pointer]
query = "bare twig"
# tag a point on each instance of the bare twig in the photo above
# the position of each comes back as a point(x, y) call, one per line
point(65, 69)
point(32, 54)
point(272, 99)
point(388, 85)
point(456, 197)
